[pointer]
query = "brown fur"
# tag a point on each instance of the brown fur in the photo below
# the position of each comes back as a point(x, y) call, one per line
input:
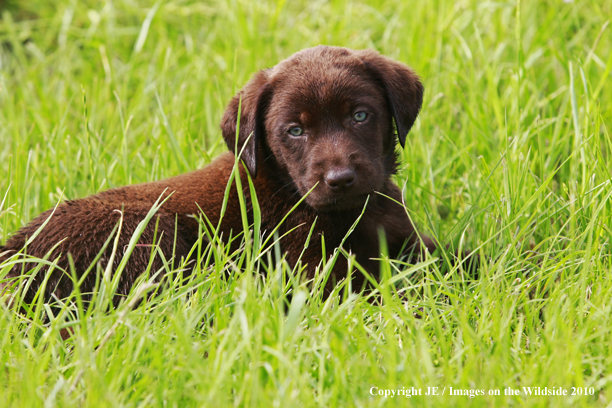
point(318, 89)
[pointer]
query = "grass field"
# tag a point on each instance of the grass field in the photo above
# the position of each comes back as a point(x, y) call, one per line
point(511, 156)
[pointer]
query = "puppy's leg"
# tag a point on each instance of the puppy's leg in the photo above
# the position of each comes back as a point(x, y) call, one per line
point(404, 240)
point(81, 228)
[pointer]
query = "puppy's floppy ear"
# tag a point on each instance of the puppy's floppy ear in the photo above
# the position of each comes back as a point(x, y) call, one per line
point(402, 86)
point(252, 101)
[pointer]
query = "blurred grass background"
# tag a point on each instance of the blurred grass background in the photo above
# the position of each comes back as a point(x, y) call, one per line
point(510, 156)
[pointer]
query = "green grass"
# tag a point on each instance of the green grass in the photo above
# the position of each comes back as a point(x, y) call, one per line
point(511, 156)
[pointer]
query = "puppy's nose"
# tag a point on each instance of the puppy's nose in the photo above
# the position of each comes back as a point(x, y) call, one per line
point(338, 178)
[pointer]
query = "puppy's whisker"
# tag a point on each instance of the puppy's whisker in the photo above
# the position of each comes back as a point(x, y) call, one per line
point(282, 188)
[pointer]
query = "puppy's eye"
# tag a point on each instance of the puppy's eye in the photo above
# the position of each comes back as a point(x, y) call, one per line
point(296, 131)
point(360, 116)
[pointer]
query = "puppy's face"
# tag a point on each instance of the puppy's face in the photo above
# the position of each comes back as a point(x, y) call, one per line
point(329, 128)
point(324, 118)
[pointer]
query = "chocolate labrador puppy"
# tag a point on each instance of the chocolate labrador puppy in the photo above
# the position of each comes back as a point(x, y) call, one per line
point(321, 126)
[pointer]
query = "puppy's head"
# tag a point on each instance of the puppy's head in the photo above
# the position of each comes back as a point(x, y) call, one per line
point(324, 118)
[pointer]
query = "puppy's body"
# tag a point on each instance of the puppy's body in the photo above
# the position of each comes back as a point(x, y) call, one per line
point(319, 122)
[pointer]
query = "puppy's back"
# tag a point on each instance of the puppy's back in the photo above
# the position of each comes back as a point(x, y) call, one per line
point(81, 227)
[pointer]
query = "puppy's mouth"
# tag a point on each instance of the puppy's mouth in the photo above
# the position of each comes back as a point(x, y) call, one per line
point(342, 203)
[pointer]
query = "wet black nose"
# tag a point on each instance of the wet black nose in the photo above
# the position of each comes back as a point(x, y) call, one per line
point(339, 178)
